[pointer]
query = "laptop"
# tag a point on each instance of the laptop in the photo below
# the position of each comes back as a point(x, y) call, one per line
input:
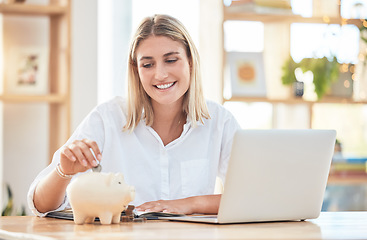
point(274, 175)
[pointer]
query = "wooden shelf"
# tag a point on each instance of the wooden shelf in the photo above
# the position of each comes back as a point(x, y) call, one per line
point(32, 10)
point(230, 13)
point(58, 31)
point(280, 22)
point(52, 98)
point(295, 100)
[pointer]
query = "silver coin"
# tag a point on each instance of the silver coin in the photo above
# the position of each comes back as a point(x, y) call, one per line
point(98, 168)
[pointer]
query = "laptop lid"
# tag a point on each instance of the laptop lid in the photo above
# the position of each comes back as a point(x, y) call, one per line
point(276, 175)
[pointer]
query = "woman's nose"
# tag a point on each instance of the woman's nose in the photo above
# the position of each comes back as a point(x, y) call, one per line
point(160, 72)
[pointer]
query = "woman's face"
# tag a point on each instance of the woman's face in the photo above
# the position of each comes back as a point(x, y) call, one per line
point(164, 69)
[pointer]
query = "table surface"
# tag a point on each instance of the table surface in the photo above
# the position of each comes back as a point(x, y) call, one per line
point(330, 225)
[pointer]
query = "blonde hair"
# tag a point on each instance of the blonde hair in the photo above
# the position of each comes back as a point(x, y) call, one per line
point(139, 102)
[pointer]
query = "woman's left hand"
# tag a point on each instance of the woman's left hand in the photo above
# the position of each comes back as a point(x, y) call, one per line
point(169, 206)
point(206, 204)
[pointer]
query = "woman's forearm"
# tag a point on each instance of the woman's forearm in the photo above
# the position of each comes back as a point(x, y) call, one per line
point(50, 192)
point(208, 204)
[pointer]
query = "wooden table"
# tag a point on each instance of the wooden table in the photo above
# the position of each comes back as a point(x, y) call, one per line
point(330, 225)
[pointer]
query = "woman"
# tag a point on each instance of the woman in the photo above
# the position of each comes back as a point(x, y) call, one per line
point(167, 141)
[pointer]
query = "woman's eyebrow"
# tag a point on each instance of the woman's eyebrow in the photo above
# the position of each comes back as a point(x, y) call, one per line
point(170, 53)
point(145, 57)
point(164, 55)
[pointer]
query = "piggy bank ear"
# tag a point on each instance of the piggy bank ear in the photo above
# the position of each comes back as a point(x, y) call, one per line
point(120, 177)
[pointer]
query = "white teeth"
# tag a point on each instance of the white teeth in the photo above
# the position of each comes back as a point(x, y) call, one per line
point(164, 86)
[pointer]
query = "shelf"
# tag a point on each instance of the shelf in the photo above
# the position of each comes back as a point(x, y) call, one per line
point(277, 32)
point(347, 179)
point(295, 100)
point(231, 13)
point(32, 10)
point(35, 119)
point(52, 98)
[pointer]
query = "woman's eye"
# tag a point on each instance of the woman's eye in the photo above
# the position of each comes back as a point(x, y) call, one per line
point(147, 65)
point(171, 60)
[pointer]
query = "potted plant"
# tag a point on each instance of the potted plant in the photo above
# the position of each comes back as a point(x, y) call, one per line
point(325, 72)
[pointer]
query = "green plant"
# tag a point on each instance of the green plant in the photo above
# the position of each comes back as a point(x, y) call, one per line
point(9, 206)
point(8, 210)
point(325, 72)
point(363, 36)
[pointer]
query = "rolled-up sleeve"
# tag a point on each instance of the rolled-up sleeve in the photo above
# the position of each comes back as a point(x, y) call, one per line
point(34, 184)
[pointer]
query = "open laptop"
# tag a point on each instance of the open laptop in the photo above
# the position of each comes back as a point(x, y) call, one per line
point(274, 175)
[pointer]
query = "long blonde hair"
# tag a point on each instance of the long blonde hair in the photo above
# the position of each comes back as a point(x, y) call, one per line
point(139, 102)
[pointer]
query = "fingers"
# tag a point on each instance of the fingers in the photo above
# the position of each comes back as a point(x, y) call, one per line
point(85, 151)
point(159, 206)
point(82, 153)
point(93, 145)
point(155, 206)
point(68, 153)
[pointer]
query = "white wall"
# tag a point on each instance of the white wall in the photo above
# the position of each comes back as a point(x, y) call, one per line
point(100, 40)
point(211, 48)
point(84, 70)
point(25, 146)
point(114, 30)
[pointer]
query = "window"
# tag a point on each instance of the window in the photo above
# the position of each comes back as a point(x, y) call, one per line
point(243, 36)
point(322, 40)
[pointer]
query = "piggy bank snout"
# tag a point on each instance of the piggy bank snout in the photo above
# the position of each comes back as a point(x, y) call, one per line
point(125, 189)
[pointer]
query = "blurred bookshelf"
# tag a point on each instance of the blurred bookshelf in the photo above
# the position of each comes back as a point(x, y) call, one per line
point(347, 183)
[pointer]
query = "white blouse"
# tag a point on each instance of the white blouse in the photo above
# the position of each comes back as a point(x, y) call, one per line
point(188, 166)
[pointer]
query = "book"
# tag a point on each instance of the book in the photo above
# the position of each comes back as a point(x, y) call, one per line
point(266, 3)
point(345, 166)
point(281, 7)
point(156, 215)
point(67, 214)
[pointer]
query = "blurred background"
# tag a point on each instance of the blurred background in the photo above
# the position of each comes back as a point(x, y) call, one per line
point(273, 63)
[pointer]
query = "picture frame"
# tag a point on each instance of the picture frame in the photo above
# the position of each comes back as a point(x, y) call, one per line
point(27, 71)
point(330, 8)
point(247, 76)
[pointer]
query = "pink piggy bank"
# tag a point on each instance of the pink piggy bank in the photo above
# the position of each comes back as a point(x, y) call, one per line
point(96, 194)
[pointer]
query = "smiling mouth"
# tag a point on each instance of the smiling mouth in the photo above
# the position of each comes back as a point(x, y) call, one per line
point(165, 86)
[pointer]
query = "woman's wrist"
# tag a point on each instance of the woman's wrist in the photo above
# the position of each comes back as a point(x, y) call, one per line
point(195, 204)
point(61, 173)
point(208, 204)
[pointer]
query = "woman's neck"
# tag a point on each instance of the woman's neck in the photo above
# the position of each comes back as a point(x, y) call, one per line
point(168, 121)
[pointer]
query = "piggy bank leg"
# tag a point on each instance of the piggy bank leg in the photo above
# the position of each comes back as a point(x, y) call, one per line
point(116, 218)
point(105, 217)
point(89, 220)
point(79, 218)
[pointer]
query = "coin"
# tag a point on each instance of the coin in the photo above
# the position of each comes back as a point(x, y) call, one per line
point(98, 168)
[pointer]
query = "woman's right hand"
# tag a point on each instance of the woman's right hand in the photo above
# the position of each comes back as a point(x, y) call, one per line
point(77, 156)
